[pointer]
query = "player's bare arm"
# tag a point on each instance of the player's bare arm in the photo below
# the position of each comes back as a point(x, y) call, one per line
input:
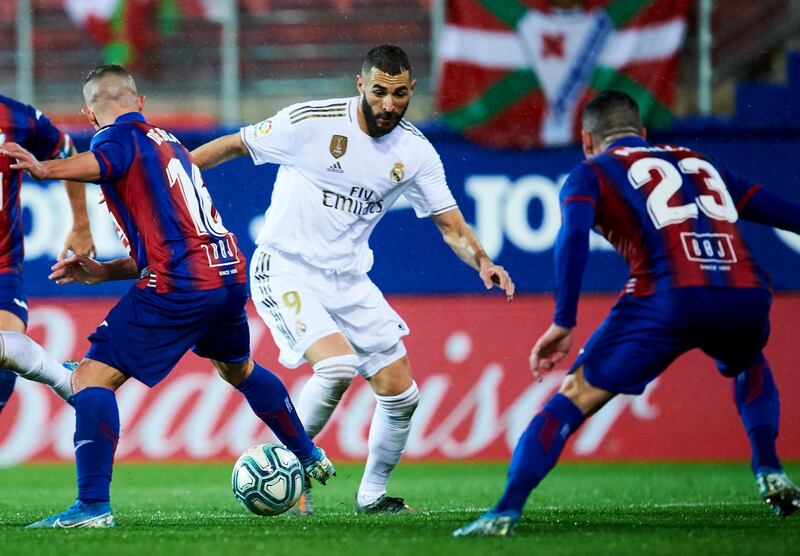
point(85, 270)
point(462, 240)
point(82, 167)
point(79, 239)
point(550, 348)
point(219, 150)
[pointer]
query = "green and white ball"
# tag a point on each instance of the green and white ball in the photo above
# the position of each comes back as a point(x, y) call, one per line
point(267, 479)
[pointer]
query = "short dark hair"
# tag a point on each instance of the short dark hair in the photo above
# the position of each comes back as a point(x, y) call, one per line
point(106, 69)
point(388, 58)
point(611, 113)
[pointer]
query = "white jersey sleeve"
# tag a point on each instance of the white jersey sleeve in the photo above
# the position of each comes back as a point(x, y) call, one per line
point(429, 193)
point(272, 140)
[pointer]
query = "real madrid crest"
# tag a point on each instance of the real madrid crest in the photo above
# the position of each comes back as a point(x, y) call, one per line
point(397, 173)
point(338, 146)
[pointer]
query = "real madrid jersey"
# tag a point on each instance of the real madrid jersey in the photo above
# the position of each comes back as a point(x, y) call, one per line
point(336, 182)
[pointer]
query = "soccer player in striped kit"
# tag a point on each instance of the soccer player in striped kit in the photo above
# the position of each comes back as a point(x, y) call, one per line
point(190, 290)
point(671, 213)
point(343, 163)
point(24, 124)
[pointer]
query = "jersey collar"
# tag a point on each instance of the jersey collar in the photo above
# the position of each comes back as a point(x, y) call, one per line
point(130, 117)
point(628, 141)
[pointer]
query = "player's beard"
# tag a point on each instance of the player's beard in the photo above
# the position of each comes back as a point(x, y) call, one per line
point(373, 129)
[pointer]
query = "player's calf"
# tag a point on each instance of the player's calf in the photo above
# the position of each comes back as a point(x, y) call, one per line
point(7, 381)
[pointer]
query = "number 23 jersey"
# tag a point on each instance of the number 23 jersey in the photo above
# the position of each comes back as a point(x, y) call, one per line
point(336, 182)
point(670, 213)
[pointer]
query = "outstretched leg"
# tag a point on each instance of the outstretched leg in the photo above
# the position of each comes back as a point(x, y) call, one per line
point(758, 404)
point(269, 400)
point(20, 354)
point(537, 452)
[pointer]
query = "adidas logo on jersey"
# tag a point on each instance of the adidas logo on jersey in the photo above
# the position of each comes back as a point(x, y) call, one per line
point(336, 168)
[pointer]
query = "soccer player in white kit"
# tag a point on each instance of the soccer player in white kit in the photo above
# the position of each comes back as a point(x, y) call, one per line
point(344, 162)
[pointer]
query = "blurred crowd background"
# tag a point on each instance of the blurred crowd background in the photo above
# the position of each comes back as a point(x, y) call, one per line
point(228, 61)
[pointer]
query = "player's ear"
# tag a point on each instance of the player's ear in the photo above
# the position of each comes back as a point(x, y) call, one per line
point(88, 113)
point(412, 86)
point(643, 133)
point(587, 143)
point(140, 102)
point(359, 83)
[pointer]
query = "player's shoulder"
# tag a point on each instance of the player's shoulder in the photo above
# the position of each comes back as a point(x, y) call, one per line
point(111, 132)
point(26, 119)
point(585, 170)
point(582, 180)
point(410, 129)
point(317, 111)
point(19, 107)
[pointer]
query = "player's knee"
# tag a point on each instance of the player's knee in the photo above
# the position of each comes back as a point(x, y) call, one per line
point(337, 373)
point(234, 373)
point(19, 353)
point(94, 374)
point(588, 398)
point(393, 379)
point(401, 406)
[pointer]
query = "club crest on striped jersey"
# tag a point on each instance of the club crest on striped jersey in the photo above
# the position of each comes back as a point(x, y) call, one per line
point(338, 146)
point(398, 173)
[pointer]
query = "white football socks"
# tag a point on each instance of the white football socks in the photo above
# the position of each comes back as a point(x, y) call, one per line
point(324, 389)
point(29, 360)
point(388, 435)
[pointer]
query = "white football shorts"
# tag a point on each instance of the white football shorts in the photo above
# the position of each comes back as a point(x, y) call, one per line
point(301, 304)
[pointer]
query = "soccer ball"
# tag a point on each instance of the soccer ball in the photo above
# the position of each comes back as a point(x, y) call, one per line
point(267, 479)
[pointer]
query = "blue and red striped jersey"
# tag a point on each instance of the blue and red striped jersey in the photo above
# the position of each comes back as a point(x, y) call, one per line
point(23, 124)
point(669, 211)
point(162, 210)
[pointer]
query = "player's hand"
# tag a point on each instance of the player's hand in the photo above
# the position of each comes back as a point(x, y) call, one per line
point(25, 160)
point(495, 275)
point(79, 240)
point(549, 349)
point(78, 268)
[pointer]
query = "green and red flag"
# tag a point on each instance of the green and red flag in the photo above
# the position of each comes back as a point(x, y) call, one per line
point(124, 28)
point(517, 73)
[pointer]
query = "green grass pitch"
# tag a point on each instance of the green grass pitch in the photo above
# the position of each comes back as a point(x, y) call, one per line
point(587, 508)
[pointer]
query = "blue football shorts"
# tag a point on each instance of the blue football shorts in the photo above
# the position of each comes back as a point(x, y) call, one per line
point(642, 336)
point(12, 296)
point(146, 333)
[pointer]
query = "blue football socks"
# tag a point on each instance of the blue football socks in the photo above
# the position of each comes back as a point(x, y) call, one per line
point(96, 436)
point(7, 381)
point(758, 404)
point(268, 398)
point(538, 450)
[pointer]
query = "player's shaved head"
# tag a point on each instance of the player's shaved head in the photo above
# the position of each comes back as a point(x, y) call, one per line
point(387, 58)
point(612, 114)
point(109, 83)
